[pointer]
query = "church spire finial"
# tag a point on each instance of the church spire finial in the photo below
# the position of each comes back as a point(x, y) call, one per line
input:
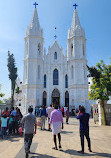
point(75, 5)
point(55, 34)
point(35, 4)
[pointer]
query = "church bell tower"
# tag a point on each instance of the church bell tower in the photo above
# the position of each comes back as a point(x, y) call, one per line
point(33, 62)
point(76, 55)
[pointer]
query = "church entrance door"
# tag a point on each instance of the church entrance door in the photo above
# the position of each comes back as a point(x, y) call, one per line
point(44, 98)
point(56, 97)
point(67, 99)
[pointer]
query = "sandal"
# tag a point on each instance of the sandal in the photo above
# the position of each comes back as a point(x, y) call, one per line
point(60, 146)
point(55, 148)
point(81, 152)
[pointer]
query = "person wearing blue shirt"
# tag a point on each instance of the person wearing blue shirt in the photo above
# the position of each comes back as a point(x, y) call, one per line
point(13, 112)
point(4, 123)
point(84, 128)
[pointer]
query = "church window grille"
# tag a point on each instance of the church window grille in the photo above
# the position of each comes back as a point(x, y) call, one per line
point(55, 55)
point(66, 81)
point(44, 81)
point(39, 48)
point(71, 49)
point(55, 77)
point(72, 71)
point(38, 72)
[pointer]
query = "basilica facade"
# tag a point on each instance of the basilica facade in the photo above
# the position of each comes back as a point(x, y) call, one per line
point(56, 77)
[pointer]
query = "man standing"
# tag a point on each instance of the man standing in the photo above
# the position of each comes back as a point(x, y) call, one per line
point(56, 120)
point(49, 110)
point(84, 128)
point(29, 122)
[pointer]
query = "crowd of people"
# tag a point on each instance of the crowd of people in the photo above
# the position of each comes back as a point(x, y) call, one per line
point(10, 121)
point(45, 112)
point(13, 120)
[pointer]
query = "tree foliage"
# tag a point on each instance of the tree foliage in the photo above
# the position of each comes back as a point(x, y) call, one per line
point(17, 90)
point(1, 94)
point(12, 73)
point(101, 87)
point(101, 77)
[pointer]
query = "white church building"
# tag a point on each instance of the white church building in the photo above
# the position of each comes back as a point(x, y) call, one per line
point(56, 77)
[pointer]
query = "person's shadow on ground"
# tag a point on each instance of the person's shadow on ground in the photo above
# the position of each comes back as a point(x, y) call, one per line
point(41, 156)
point(74, 152)
point(12, 138)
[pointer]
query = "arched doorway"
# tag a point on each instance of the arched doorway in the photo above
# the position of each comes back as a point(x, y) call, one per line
point(45, 98)
point(55, 97)
point(67, 99)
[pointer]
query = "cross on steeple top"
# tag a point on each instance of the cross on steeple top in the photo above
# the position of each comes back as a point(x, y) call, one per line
point(35, 4)
point(75, 5)
point(55, 36)
point(55, 33)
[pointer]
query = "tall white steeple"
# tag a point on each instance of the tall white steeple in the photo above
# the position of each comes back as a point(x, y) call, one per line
point(34, 27)
point(76, 29)
point(33, 61)
point(76, 55)
point(76, 42)
point(35, 20)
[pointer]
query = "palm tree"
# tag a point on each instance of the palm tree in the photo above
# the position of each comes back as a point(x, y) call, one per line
point(12, 74)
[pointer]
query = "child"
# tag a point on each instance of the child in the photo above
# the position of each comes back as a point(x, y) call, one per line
point(20, 130)
point(10, 124)
point(4, 122)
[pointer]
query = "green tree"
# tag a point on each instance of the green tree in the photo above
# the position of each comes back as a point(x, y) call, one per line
point(1, 95)
point(12, 74)
point(101, 87)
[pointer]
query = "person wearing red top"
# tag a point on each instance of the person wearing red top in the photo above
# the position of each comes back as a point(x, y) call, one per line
point(6, 112)
point(62, 110)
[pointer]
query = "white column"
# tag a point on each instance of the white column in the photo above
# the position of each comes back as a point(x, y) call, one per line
point(100, 112)
point(61, 99)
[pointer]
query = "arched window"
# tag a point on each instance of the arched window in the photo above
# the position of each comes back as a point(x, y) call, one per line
point(72, 71)
point(66, 81)
point(71, 49)
point(55, 77)
point(39, 48)
point(67, 99)
point(44, 102)
point(44, 81)
point(38, 72)
point(55, 55)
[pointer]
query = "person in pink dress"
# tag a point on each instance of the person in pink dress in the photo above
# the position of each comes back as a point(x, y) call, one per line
point(56, 119)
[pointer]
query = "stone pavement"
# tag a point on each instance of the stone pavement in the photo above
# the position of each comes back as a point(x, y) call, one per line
point(43, 143)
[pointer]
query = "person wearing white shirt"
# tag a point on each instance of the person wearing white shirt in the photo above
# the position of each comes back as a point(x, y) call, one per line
point(49, 110)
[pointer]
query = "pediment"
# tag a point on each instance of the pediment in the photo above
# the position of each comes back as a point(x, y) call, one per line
point(55, 45)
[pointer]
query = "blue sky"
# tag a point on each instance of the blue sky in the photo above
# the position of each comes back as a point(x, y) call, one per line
point(15, 16)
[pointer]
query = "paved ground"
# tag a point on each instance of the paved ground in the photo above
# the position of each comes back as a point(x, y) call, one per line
point(43, 143)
